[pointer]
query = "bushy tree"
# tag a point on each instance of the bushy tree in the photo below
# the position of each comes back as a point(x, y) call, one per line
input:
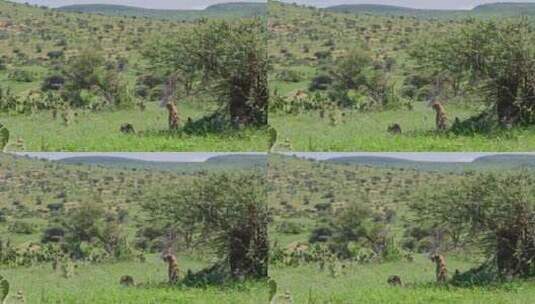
point(225, 212)
point(226, 59)
point(87, 82)
point(497, 57)
point(492, 211)
point(355, 227)
point(87, 230)
point(355, 80)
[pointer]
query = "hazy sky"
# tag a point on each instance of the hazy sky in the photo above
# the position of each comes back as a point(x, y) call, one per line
point(434, 4)
point(432, 157)
point(155, 4)
point(170, 157)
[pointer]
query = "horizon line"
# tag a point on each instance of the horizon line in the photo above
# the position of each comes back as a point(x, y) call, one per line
point(403, 6)
point(140, 7)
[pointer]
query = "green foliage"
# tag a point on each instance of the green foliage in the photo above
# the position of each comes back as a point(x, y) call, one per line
point(89, 83)
point(4, 289)
point(289, 75)
point(4, 136)
point(226, 59)
point(89, 233)
point(494, 212)
point(355, 228)
point(20, 75)
point(496, 56)
point(21, 227)
point(227, 213)
point(288, 227)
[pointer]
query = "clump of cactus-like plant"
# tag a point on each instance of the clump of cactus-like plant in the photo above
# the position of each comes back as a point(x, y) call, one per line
point(4, 136)
point(4, 289)
point(272, 290)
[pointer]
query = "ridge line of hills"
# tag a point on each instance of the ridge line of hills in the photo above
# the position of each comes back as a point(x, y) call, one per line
point(220, 161)
point(497, 9)
point(221, 10)
point(498, 161)
point(489, 162)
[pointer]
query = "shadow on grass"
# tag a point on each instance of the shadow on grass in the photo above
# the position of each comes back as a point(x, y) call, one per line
point(217, 276)
point(215, 124)
point(483, 277)
point(483, 125)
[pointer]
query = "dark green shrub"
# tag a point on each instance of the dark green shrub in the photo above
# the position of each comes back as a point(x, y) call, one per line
point(20, 75)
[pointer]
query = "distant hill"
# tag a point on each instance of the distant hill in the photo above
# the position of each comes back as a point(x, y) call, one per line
point(493, 162)
point(518, 8)
point(219, 11)
point(372, 8)
point(485, 10)
point(223, 162)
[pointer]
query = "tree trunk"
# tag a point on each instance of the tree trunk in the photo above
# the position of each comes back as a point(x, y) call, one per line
point(507, 113)
point(249, 95)
point(249, 249)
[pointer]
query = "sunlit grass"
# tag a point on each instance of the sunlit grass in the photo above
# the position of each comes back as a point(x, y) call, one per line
point(99, 283)
point(359, 131)
point(100, 131)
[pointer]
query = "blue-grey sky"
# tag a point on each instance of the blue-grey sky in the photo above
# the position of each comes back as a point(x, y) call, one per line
point(433, 4)
point(149, 156)
point(154, 4)
point(416, 156)
point(203, 156)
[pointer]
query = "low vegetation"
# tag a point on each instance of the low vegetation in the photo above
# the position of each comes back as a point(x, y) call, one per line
point(144, 233)
point(398, 235)
point(139, 80)
point(370, 78)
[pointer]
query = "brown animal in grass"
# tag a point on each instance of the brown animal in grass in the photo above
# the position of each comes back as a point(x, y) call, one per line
point(441, 117)
point(441, 270)
point(167, 101)
point(172, 267)
point(127, 128)
point(127, 281)
point(394, 280)
point(173, 116)
point(394, 129)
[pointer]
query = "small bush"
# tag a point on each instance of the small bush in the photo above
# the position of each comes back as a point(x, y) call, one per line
point(55, 54)
point(289, 76)
point(288, 227)
point(320, 82)
point(20, 75)
point(52, 235)
point(20, 227)
point(53, 82)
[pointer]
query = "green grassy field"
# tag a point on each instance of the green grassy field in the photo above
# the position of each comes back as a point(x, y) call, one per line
point(306, 44)
point(100, 284)
point(368, 284)
point(28, 46)
point(359, 131)
point(101, 132)
point(306, 195)
point(31, 188)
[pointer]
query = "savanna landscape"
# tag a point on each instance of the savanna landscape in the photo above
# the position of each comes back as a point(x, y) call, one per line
point(102, 229)
point(286, 226)
point(113, 78)
point(383, 229)
point(386, 78)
